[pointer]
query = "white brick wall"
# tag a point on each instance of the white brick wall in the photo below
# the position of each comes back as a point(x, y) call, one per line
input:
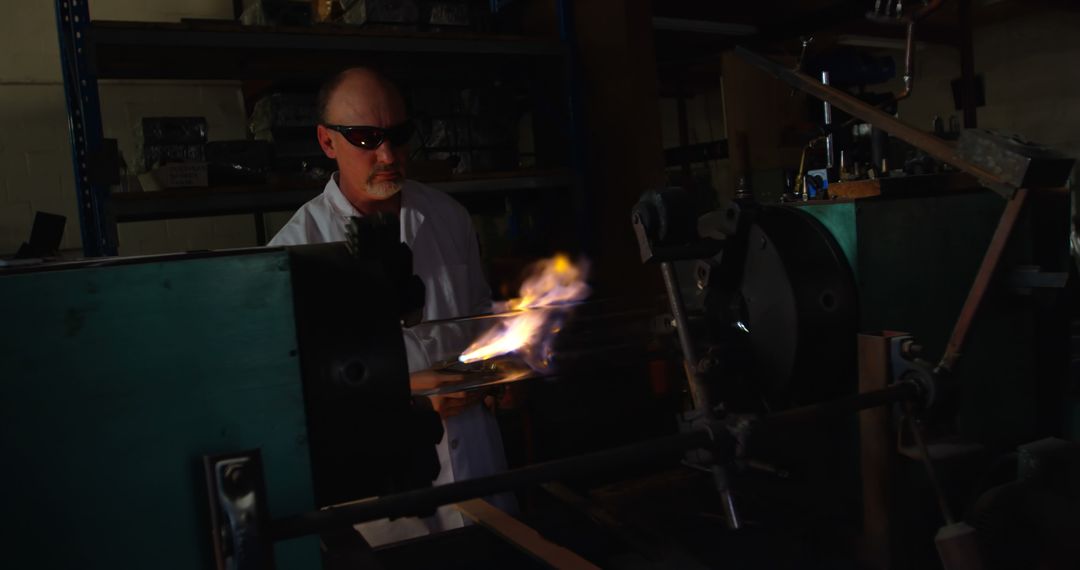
point(1032, 84)
point(35, 157)
point(705, 118)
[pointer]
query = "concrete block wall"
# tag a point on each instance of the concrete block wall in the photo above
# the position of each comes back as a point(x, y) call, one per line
point(705, 119)
point(35, 157)
point(1032, 84)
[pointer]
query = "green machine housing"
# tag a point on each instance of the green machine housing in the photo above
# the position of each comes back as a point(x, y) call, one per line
point(913, 261)
point(120, 375)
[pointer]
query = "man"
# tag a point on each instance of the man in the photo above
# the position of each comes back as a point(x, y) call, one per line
point(364, 127)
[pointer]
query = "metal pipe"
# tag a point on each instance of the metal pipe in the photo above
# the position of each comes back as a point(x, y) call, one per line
point(909, 51)
point(897, 392)
point(698, 390)
point(420, 501)
point(933, 146)
point(412, 503)
point(909, 63)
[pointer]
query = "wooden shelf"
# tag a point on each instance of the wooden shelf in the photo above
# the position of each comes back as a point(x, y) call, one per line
point(228, 50)
point(904, 186)
point(231, 200)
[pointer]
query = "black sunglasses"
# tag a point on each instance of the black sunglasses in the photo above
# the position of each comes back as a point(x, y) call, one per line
point(369, 138)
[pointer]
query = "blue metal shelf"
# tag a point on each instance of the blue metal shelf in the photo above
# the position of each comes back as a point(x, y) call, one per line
point(84, 125)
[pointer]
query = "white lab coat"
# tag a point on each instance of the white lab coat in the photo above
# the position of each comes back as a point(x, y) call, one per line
point(447, 258)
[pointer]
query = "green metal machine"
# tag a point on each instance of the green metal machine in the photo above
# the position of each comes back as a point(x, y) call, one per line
point(121, 375)
point(914, 260)
point(118, 378)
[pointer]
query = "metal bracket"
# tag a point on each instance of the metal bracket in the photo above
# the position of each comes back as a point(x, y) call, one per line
point(238, 514)
point(907, 366)
point(1028, 277)
point(667, 229)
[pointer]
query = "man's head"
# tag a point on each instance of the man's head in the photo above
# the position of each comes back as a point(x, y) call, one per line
point(360, 97)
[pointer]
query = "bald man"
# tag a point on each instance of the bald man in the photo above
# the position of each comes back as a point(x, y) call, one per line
point(364, 127)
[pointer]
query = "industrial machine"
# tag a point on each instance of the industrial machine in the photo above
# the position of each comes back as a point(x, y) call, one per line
point(875, 381)
point(137, 389)
point(784, 289)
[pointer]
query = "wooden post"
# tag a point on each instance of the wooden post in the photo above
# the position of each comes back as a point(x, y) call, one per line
point(877, 451)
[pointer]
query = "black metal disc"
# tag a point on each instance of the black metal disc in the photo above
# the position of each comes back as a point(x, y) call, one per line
point(801, 309)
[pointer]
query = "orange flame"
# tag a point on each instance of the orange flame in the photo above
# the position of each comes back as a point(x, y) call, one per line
point(552, 282)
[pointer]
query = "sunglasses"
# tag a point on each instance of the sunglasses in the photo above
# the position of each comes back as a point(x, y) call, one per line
point(369, 138)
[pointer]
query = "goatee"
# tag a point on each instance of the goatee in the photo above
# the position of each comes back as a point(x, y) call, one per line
point(383, 189)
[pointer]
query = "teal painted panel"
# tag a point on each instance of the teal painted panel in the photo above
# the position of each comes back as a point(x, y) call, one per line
point(914, 260)
point(839, 219)
point(117, 379)
point(917, 260)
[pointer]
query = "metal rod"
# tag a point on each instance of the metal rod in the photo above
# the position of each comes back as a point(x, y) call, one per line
point(920, 440)
point(909, 62)
point(578, 317)
point(982, 279)
point(731, 514)
point(684, 133)
point(483, 316)
point(417, 502)
point(935, 147)
point(420, 501)
point(828, 124)
point(895, 393)
point(698, 390)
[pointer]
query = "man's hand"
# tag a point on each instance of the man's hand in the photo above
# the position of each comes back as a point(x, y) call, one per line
point(450, 405)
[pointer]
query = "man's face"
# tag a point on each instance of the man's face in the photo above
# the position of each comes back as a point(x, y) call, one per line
point(365, 175)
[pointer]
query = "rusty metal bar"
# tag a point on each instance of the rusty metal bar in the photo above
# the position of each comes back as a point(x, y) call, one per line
point(935, 147)
point(982, 279)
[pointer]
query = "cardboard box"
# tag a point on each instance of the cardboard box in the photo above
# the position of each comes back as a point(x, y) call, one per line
point(181, 175)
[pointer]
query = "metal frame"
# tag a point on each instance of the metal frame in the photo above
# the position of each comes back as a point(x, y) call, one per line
point(84, 124)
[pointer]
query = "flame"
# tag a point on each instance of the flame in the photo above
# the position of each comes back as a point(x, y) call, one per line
point(551, 283)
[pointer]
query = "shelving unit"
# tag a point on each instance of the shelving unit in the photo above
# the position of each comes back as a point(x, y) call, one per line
point(213, 49)
point(258, 200)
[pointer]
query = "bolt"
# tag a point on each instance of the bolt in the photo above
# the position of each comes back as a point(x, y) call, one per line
point(910, 348)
